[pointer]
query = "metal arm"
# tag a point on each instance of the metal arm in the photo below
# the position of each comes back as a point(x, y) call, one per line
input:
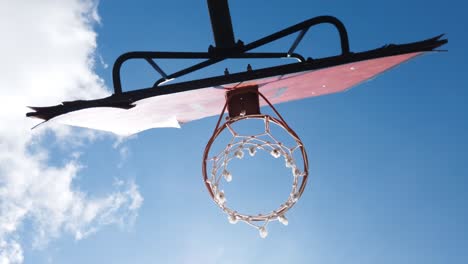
point(221, 23)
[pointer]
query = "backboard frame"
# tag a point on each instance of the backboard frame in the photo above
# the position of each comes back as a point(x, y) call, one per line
point(227, 48)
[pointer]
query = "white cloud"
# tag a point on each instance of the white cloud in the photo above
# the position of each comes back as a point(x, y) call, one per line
point(47, 52)
point(10, 252)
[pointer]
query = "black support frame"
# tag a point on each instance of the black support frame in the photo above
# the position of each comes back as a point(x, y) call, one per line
point(215, 55)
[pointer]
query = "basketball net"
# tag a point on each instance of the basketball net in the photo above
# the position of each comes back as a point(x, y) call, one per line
point(218, 174)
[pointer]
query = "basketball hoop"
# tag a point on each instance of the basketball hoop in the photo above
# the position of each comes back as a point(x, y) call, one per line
point(219, 173)
point(168, 104)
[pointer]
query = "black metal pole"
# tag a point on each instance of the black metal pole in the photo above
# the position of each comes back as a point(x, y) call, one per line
point(221, 23)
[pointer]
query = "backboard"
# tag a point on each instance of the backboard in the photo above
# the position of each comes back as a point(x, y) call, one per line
point(171, 105)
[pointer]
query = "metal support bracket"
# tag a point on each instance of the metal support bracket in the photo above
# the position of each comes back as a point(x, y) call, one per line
point(238, 51)
point(243, 102)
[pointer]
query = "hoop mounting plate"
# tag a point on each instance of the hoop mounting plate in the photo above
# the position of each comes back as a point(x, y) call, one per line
point(243, 101)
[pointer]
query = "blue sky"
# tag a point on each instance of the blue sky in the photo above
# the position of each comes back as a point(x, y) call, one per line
point(387, 159)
